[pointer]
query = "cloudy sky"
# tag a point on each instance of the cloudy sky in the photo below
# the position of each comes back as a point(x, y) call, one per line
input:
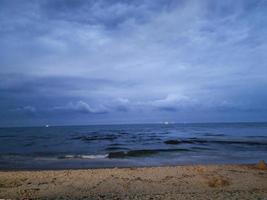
point(119, 61)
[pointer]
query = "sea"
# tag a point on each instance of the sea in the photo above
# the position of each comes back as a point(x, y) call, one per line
point(135, 145)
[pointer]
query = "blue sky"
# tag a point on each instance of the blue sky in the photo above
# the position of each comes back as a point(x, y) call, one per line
point(118, 61)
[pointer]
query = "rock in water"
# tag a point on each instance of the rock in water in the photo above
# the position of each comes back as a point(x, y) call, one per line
point(172, 142)
point(118, 154)
point(262, 165)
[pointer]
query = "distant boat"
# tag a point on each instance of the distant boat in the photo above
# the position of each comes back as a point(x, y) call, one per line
point(46, 125)
point(166, 123)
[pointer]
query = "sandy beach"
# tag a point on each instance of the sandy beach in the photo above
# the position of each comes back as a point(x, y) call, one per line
point(179, 182)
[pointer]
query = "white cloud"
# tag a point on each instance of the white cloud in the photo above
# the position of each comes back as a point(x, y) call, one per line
point(81, 107)
point(26, 109)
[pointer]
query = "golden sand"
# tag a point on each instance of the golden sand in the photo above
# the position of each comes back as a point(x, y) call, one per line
point(179, 182)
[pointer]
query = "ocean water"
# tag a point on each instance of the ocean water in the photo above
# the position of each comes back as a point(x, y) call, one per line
point(103, 146)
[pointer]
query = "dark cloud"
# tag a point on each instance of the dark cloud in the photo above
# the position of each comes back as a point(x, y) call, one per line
point(109, 14)
point(112, 61)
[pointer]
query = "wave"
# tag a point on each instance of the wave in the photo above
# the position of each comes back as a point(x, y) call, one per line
point(142, 152)
point(95, 137)
point(204, 141)
point(83, 156)
point(114, 154)
point(256, 136)
point(214, 134)
point(178, 142)
point(47, 156)
point(7, 136)
point(115, 148)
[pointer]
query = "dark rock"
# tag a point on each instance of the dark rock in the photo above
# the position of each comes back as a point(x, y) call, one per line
point(137, 153)
point(172, 142)
point(118, 154)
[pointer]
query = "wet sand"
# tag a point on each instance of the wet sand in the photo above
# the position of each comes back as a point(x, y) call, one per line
point(179, 182)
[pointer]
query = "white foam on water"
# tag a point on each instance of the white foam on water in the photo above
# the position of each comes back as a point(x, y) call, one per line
point(85, 156)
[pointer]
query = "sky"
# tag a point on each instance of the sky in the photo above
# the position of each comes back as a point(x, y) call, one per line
point(67, 62)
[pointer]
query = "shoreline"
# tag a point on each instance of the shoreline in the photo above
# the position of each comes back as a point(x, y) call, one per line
point(124, 167)
point(223, 181)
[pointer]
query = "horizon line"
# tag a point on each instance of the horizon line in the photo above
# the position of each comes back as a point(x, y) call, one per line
point(146, 123)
